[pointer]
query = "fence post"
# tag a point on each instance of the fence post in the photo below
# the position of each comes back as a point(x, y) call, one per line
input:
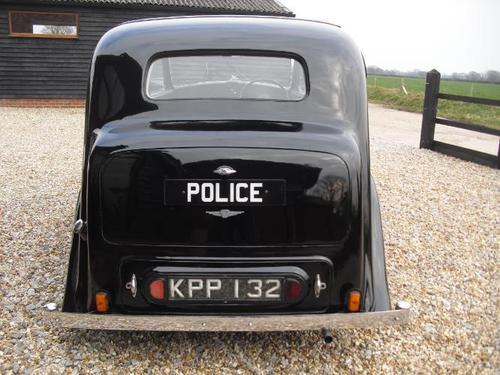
point(498, 155)
point(430, 108)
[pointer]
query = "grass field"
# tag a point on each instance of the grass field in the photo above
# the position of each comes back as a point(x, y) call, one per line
point(387, 91)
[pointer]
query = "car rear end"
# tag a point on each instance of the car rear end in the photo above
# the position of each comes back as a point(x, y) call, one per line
point(226, 188)
point(226, 229)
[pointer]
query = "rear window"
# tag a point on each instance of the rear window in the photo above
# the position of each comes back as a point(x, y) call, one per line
point(226, 77)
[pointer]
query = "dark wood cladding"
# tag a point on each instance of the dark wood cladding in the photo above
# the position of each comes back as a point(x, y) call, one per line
point(58, 68)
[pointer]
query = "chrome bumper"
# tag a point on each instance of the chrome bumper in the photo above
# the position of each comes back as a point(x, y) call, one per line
point(229, 323)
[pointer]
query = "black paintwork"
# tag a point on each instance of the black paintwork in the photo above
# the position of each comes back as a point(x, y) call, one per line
point(329, 222)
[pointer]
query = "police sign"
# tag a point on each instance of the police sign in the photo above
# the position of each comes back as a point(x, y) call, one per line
point(224, 192)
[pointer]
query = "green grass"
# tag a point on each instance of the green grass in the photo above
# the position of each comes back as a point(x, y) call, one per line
point(387, 91)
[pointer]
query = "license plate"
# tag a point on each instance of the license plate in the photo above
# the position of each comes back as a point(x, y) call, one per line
point(224, 192)
point(224, 289)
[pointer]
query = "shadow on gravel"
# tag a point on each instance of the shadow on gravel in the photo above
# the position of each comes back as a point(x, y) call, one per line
point(249, 351)
point(194, 344)
point(127, 339)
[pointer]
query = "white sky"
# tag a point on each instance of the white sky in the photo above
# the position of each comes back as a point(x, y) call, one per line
point(449, 35)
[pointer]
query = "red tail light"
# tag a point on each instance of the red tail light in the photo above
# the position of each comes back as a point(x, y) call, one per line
point(157, 289)
point(293, 290)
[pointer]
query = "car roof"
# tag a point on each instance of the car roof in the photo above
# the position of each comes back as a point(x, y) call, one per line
point(219, 32)
point(229, 16)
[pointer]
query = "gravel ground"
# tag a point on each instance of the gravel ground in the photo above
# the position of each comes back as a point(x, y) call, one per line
point(441, 223)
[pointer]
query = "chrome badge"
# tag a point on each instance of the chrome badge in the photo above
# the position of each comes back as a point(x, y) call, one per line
point(132, 285)
point(225, 213)
point(224, 170)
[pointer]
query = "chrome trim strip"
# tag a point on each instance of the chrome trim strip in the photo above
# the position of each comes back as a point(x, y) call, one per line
point(242, 323)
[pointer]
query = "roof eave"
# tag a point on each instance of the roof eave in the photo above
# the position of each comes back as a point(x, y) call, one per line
point(177, 8)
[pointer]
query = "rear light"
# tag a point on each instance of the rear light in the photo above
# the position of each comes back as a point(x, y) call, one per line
point(102, 302)
point(293, 290)
point(157, 289)
point(353, 301)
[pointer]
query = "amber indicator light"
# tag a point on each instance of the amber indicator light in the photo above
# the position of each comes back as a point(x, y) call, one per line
point(157, 289)
point(353, 301)
point(102, 302)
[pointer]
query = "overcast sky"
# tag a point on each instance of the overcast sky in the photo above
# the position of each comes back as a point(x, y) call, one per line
point(449, 35)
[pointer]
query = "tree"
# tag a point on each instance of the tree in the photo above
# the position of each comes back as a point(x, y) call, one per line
point(374, 70)
point(474, 76)
point(492, 76)
point(59, 30)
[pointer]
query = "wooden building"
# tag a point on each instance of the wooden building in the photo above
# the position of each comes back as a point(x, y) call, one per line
point(46, 45)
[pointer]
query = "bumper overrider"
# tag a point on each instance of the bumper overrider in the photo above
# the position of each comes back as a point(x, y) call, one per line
point(231, 323)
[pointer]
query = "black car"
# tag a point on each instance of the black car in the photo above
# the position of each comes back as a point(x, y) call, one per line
point(226, 181)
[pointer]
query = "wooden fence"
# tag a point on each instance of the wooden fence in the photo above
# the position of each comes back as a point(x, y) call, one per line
point(429, 121)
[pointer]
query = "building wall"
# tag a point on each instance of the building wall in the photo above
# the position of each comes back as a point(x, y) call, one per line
point(38, 68)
